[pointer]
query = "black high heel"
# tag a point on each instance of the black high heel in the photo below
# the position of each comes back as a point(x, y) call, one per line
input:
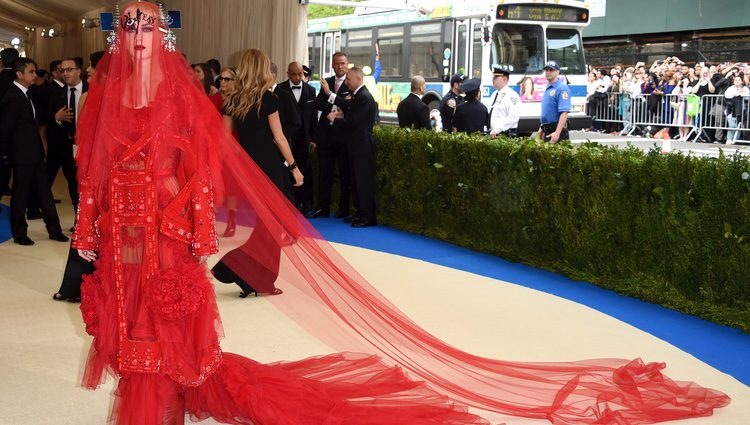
point(245, 294)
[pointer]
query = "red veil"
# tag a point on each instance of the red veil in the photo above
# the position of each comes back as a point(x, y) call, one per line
point(322, 292)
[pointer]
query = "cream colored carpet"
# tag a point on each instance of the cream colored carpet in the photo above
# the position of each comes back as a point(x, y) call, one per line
point(43, 343)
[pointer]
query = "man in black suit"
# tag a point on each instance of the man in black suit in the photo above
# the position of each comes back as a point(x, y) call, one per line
point(412, 112)
point(302, 140)
point(21, 142)
point(7, 56)
point(62, 120)
point(356, 116)
point(331, 143)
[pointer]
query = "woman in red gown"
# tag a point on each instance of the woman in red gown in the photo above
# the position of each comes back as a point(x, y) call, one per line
point(153, 167)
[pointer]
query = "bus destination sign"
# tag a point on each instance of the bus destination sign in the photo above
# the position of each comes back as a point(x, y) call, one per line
point(550, 13)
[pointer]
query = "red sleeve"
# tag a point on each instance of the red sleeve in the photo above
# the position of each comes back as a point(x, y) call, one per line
point(86, 234)
point(205, 240)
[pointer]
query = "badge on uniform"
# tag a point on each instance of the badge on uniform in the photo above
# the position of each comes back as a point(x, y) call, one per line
point(565, 95)
point(451, 103)
point(552, 93)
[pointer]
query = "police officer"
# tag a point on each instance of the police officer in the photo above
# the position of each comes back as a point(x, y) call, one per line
point(472, 115)
point(504, 114)
point(555, 106)
point(450, 101)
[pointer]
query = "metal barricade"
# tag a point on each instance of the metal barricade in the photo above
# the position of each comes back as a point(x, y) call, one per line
point(652, 112)
point(734, 121)
point(606, 108)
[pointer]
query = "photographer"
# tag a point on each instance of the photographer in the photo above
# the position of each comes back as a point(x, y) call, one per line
point(733, 105)
point(703, 87)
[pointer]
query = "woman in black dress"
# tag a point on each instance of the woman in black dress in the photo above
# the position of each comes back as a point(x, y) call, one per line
point(254, 111)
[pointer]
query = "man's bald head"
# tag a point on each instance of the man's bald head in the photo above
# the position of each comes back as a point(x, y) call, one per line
point(418, 85)
point(295, 73)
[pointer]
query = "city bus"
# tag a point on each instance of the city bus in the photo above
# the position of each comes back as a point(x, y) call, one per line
point(467, 36)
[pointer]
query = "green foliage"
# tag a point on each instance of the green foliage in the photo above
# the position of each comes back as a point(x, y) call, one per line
point(316, 11)
point(669, 229)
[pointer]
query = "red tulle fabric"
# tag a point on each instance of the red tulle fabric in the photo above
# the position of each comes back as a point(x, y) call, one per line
point(145, 113)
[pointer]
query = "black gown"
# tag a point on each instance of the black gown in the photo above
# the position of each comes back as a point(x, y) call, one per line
point(256, 138)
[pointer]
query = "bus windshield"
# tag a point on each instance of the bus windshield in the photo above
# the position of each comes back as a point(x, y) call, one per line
point(521, 46)
point(564, 47)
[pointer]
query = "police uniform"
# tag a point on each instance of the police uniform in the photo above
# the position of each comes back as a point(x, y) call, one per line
point(555, 101)
point(472, 115)
point(504, 113)
point(450, 102)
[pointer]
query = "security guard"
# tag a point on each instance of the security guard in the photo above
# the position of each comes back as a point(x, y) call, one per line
point(504, 114)
point(555, 106)
point(450, 101)
point(472, 115)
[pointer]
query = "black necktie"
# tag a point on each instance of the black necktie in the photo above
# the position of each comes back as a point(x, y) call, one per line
point(72, 108)
point(296, 87)
point(31, 105)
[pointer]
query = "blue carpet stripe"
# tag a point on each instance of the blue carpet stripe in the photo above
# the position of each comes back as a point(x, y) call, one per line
point(725, 348)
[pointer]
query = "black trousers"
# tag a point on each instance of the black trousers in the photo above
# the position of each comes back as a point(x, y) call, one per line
point(75, 268)
point(363, 182)
point(329, 159)
point(303, 195)
point(31, 181)
point(5, 172)
point(60, 155)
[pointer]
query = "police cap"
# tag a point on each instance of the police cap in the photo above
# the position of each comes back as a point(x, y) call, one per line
point(458, 78)
point(471, 85)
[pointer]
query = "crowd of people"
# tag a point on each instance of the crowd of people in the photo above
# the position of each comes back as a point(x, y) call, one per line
point(673, 96)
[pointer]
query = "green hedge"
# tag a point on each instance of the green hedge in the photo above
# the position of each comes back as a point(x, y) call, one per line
point(670, 229)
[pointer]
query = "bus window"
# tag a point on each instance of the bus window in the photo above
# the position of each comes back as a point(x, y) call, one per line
point(564, 47)
point(476, 51)
point(327, 53)
point(359, 47)
point(313, 51)
point(391, 41)
point(461, 49)
point(520, 46)
point(426, 56)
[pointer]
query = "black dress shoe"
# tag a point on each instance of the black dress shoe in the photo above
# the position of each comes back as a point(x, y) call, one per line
point(319, 213)
point(351, 219)
point(342, 214)
point(23, 240)
point(361, 224)
point(59, 237)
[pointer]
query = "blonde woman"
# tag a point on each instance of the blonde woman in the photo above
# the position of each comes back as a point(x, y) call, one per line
point(253, 110)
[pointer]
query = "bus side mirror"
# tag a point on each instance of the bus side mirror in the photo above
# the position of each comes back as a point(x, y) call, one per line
point(486, 36)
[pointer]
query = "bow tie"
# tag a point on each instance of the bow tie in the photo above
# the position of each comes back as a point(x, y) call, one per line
point(296, 87)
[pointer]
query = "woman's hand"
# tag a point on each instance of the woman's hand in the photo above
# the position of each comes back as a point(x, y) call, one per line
point(87, 255)
point(298, 177)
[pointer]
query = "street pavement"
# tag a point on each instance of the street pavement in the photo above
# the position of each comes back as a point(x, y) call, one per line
point(646, 144)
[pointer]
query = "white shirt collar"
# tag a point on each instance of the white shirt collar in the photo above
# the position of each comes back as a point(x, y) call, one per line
point(419, 96)
point(20, 86)
point(59, 83)
point(343, 77)
point(355, 91)
point(78, 87)
point(273, 87)
point(291, 84)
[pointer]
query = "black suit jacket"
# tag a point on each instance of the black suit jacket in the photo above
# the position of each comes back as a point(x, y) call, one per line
point(412, 112)
point(360, 113)
point(58, 133)
point(290, 121)
point(306, 111)
point(327, 134)
point(19, 130)
point(7, 76)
